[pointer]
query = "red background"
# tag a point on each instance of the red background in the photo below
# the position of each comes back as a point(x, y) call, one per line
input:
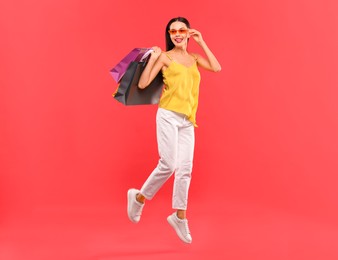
point(265, 171)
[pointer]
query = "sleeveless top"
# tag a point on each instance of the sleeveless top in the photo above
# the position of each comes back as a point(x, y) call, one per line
point(181, 90)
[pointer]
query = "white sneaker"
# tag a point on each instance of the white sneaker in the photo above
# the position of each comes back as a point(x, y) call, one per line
point(181, 227)
point(134, 208)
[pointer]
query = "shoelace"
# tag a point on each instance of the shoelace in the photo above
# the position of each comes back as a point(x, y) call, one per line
point(186, 227)
point(139, 210)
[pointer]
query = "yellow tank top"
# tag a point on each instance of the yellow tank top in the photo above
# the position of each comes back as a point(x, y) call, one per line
point(181, 90)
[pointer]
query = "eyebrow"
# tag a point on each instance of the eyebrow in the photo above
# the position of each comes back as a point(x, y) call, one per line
point(179, 28)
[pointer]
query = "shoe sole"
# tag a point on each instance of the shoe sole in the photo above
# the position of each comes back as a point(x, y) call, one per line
point(175, 227)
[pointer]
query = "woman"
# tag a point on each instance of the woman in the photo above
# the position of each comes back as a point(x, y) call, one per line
point(175, 120)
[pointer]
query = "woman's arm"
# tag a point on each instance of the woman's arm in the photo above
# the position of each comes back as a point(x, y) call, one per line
point(210, 63)
point(155, 64)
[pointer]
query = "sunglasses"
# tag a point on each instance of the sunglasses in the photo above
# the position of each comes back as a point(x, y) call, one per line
point(180, 31)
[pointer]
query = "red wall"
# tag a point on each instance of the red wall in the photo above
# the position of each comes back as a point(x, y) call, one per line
point(268, 122)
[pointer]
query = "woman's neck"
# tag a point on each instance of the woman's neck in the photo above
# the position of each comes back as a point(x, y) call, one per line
point(180, 51)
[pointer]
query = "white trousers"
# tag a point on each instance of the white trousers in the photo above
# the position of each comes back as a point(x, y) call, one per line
point(176, 141)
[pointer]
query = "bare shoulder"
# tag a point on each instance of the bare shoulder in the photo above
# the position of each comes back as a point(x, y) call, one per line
point(195, 55)
point(165, 58)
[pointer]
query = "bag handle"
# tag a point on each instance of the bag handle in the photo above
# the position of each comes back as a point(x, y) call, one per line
point(146, 54)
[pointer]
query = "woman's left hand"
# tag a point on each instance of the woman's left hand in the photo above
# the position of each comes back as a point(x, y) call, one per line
point(196, 35)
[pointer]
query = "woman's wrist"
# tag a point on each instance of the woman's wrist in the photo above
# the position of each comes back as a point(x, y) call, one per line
point(201, 42)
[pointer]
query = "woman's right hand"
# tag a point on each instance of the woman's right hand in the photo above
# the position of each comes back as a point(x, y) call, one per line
point(152, 68)
point(156, 53)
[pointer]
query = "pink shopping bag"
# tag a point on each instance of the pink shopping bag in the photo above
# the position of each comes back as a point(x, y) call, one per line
point(137, 54)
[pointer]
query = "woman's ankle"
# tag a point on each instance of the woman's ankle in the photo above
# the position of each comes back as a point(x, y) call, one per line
point(140, 198)
point(181, 214)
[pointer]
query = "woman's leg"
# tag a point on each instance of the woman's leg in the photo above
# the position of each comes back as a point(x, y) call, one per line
point(167, 139)
point(185, 155)
point(186, 143)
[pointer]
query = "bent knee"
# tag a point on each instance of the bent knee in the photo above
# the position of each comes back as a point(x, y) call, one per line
point(167, 166)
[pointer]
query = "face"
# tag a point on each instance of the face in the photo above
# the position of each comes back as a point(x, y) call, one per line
point(179, 33)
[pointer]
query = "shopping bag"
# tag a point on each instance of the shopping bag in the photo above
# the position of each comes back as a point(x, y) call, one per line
point(137, 54)
point(128, 92)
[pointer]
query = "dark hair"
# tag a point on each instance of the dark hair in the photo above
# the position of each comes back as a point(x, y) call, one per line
point(169, 43)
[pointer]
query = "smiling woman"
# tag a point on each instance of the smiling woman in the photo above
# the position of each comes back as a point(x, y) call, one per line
point(176, 119)
point(264, 182)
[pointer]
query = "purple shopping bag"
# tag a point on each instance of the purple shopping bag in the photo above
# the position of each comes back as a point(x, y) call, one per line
point(128, 92)
point(137, 54)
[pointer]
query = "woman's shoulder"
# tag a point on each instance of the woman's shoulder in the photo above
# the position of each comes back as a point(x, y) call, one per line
point(167, 54)
point(194, 55)
point(165, 58)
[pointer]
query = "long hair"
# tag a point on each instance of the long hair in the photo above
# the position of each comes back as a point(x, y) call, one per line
point(169, 43)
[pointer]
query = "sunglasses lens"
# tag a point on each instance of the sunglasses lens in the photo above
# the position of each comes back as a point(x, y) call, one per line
point(180, 31)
